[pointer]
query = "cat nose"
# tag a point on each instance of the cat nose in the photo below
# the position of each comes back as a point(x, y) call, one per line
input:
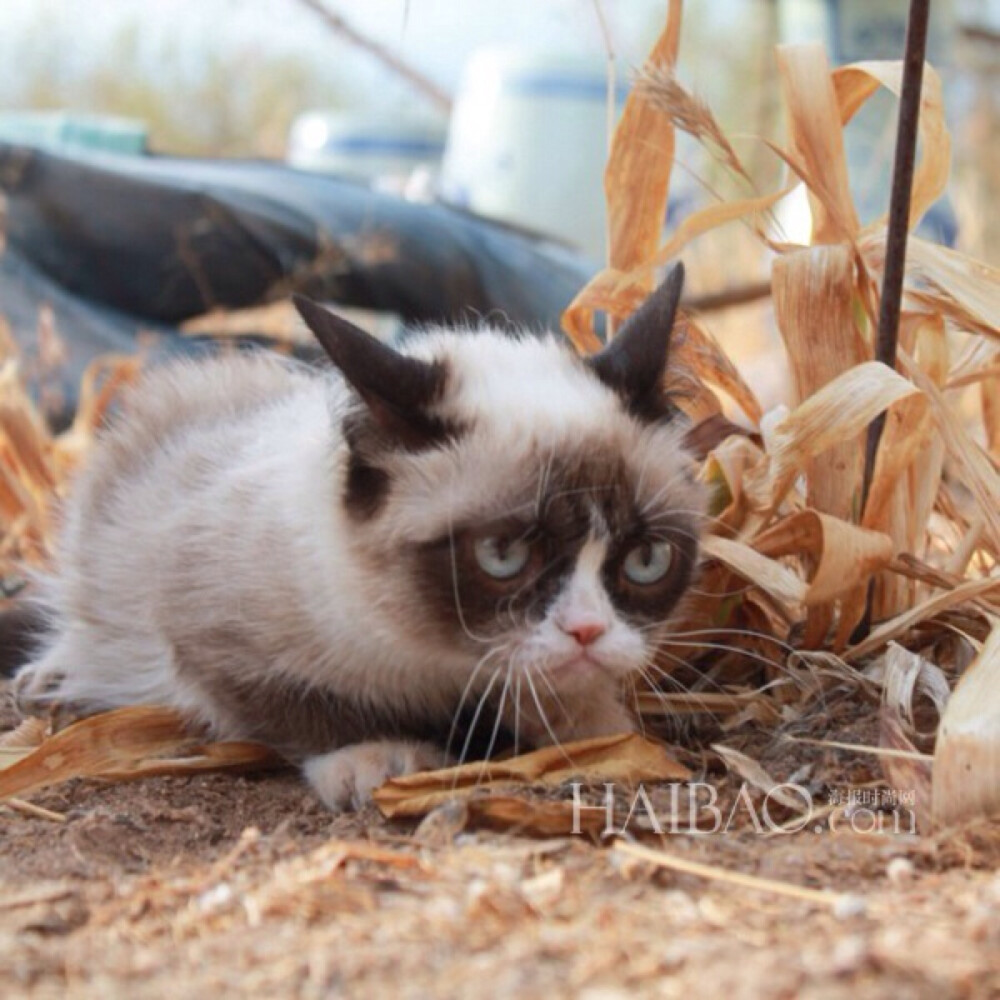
point(585, 633)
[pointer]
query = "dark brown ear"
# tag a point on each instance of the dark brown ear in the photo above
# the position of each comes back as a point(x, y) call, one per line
point(397, 389)
point(633, 363)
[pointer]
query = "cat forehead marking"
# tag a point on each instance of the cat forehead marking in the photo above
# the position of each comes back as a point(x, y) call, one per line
point(529, 383)
point(489, 475)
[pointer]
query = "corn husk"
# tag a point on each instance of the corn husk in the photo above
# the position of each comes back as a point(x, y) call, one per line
point(628, 760)
point(967, 756)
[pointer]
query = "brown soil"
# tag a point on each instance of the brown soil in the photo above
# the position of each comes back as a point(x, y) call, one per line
point(223, 886)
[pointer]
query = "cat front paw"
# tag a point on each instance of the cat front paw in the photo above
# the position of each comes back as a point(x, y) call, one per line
point(36, 688)
point(345, 779)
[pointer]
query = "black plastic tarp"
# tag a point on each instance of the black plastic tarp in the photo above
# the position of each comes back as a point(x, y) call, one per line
point(120, 244)
point(165, 239)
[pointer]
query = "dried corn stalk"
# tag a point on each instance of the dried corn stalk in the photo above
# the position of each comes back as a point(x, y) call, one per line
point(788, 521)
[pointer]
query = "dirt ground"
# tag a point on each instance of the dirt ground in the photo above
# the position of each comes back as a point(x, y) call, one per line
point(223, 885)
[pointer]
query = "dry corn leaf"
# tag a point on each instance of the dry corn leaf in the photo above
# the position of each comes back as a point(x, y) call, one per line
point(902, 623)
point(119, 744)
point(279, 321)
point(637, 176)
point(843, 555)
point(817, 140)
point(9, 348)
point(905, 675)
point(724, 471)
point(10, 755)
point(967, 755)
point(636, 183)
point(541, 818)
point(814, 305)
point(698, 351)
point(963, 290)
point(989, 394)
point(230, 755)
point(102, 382)
point(840, 410)
point(906, 436)
point(905, 769)
point(715, 703)
point(855, 83)
point(621, 292)
point(28, 446)
point(981, 476)
point(753, 772)
point(26, 735)
point(771, 576)
point(628, 758)
point(706, 219)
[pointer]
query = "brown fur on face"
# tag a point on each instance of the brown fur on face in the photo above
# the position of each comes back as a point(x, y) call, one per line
point(557, 514)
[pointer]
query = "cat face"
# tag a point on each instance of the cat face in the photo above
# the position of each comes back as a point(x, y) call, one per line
point(529, 510)
point(569, 568)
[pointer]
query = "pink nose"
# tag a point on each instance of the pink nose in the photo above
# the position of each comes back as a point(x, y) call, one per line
point(585, 633)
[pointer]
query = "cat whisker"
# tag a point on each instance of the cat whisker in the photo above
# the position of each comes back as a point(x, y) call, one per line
point(517, 713)
point(654, 689)
point(476, 715)
point(544, 719)
point(560, 704)
point(723, 647)
point(659, 675)
point(697, 592)
point(499, 717)
point(704, 679)
point(702, 517)
point(672, 528)
point(482, 640)
point(748, 632)
point(781, 668)
point(483, 660)
point(543, 482)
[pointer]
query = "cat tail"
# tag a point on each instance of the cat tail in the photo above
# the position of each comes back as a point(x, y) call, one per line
point(22, 626)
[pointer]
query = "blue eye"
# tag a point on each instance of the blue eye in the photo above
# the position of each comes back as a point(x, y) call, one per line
point(648, 563)
point(501, 558)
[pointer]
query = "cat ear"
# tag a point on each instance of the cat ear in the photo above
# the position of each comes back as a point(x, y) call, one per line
point(633, 363)
point(396, 388)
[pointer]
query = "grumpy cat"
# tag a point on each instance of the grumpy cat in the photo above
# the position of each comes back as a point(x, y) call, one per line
point(477, 534)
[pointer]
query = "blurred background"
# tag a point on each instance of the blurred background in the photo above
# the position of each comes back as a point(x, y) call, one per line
point(501, 108)
point(400, 85)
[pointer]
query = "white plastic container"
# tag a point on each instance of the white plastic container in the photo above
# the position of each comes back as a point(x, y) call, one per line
point(365, 146)
point(69, 130)
point(528, 143)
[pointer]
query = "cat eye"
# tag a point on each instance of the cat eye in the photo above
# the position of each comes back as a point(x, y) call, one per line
point(501, 558)
point(648, 563)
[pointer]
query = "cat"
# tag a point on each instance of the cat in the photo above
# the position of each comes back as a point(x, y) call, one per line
point(342, 564)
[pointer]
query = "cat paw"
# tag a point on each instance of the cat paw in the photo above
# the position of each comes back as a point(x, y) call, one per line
point(345, 779)
point(36, 687)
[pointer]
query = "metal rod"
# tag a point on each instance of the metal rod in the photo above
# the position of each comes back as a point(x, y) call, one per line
point(895, 244)
point(899, 210)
